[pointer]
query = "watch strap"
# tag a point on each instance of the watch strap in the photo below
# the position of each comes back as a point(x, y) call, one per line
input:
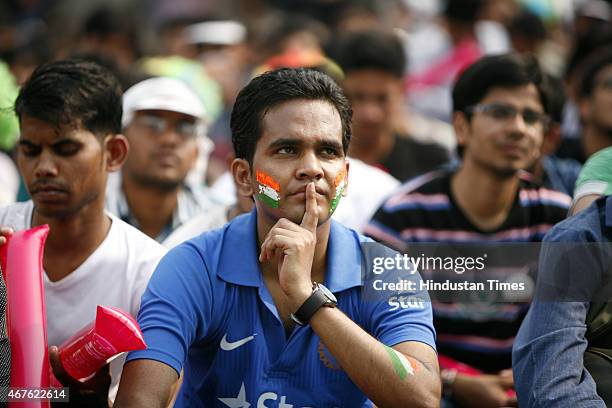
point(316, 300)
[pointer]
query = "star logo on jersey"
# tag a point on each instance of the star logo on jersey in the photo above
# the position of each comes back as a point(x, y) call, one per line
point(238, 402)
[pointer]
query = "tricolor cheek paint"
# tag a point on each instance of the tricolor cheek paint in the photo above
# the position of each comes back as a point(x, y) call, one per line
point(268, 190)
point(339, 186)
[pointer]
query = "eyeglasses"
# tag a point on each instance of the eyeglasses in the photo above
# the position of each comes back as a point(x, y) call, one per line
point(505, 112)
point(158, 125)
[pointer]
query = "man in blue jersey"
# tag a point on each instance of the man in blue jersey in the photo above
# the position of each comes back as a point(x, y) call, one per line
point(239, 309)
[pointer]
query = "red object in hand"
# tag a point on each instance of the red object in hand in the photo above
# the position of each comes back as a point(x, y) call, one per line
point(21, 259)
point(447, 363)
point(114, 331)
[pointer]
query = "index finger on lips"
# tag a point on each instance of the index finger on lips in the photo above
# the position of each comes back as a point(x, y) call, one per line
point(311, 215)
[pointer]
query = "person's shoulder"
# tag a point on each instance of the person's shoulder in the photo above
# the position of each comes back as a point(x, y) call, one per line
point(425, 191)
point(136, 242)
point(16, 215)
point(586, 226)
point(532, 193)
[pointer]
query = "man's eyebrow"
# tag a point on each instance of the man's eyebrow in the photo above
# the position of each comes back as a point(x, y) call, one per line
point(285, 142)
point(26, 143)
point(65, 140)
point(330, 143)
point(297, 142)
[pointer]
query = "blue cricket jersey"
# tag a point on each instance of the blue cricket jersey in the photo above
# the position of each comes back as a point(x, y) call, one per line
point(208, 310)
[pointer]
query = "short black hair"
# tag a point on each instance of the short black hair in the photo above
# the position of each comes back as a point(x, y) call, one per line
point(371, 49)
point(529, 25)
point(74, 93)
point(273, 88)
point(497, 71)
point(599, 60)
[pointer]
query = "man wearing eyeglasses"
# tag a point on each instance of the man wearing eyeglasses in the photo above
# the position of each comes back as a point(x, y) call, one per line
point(164, 122)
point(500, 115)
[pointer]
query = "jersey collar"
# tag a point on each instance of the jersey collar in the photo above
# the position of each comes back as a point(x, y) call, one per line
point(238, 263)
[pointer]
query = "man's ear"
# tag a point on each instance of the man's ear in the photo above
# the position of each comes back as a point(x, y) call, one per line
point(117, 148)
point(347, 165)
point(462, 127)
point(241, 170)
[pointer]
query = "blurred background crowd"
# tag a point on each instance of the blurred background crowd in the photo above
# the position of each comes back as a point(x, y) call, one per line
point(397, 61)
point(217, 46)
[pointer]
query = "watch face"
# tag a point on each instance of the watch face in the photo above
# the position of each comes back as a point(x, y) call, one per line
point(328, 293)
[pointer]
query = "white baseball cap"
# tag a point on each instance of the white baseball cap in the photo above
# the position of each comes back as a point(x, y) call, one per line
point(161, 93)
point(226, 32)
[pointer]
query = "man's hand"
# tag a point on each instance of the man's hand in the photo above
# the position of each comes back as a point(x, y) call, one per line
point(294, 246)
point(4, 232)
point(484, 390)
point(93, 392)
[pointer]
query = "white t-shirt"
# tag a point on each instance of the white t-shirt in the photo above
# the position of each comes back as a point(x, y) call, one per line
point(210, 220)
point(368, 187)
point(115, 274)
point(9, 180)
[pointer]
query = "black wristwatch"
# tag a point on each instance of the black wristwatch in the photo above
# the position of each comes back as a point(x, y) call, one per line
point(321, 296)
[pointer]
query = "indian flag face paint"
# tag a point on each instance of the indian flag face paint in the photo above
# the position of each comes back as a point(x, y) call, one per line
point(401, 365)
point(339, 185)
point(267, 190)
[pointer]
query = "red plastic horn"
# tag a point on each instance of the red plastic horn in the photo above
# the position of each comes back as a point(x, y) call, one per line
point(113, 332)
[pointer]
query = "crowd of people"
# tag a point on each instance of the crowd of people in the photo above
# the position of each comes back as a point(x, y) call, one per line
point(230, 172)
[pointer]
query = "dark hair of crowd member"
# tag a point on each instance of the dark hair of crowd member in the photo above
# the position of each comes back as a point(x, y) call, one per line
point(371, 49)
point(556, 97)
point(589, 73)
point(273, 88)
point(73, 93)
point(465, 11)
point(498, 71)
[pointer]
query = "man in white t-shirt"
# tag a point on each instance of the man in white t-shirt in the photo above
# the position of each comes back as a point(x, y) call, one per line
point(70, 120)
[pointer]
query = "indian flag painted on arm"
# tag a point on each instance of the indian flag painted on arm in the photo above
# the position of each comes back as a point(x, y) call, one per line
point(400, 362)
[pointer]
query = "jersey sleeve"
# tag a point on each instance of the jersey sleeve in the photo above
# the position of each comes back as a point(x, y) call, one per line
point(394, 314)
point(176, 308)
point(400, 319)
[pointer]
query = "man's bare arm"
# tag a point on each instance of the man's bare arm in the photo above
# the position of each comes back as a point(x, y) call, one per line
point(406, 375)
point(146, 383)
point(375, 368)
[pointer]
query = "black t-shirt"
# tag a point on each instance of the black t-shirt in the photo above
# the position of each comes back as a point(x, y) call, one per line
point(425, 211)
point(410, 158)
